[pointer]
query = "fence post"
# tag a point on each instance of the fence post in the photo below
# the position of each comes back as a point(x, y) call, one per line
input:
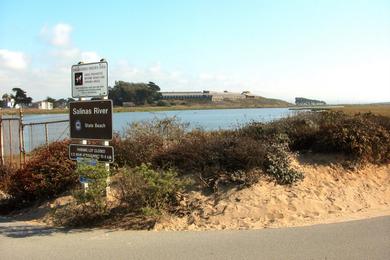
point(46, 135)
point(21, 142)
point(1, 141)
point(31, 138)
point(10, 142)
point(24, 148)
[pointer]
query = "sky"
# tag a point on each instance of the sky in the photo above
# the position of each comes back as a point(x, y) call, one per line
point(336, 51)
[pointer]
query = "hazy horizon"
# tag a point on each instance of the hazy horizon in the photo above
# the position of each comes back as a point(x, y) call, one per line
point(326, 50)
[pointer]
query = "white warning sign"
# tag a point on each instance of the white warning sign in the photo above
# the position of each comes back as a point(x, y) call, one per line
point(90, 80)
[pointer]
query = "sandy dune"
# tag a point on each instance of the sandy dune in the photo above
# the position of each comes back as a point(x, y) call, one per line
point(329, 193)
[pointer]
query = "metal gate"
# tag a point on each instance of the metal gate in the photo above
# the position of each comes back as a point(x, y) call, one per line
point(18, 138)
point(10, 140)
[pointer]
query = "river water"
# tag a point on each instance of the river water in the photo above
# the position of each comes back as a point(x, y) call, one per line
point(212, 119)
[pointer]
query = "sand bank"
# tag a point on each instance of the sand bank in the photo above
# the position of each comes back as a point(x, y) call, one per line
point(329, 193)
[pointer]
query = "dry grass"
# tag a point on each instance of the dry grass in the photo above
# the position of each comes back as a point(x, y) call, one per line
point(15, 111)
point(383, 110)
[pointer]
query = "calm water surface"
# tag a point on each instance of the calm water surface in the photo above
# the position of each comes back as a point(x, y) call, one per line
point(207, 119)
point(213, 119)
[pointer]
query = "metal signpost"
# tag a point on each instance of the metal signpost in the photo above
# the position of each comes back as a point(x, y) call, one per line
point(91, 119)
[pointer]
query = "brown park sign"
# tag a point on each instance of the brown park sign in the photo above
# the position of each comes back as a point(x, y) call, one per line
point(91, 119)
point(96, 152)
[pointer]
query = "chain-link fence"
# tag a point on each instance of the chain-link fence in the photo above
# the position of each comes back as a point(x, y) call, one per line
point(18, 137)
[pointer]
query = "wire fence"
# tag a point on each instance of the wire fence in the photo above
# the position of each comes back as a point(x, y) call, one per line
point(42, 133)
point(18, 138)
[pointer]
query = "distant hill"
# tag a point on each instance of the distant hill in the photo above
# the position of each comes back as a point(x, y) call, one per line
point(257, 101)
point(300, 101)
point(249, 101)
point(271, 101)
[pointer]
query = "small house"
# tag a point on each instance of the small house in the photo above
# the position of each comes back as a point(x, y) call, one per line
point(46, 105)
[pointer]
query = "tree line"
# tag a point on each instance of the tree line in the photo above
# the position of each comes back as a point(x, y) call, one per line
point(136, 93)
point(19, 97)
point(121, 93)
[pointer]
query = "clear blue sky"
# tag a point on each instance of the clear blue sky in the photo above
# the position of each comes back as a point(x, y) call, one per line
point(338, 51)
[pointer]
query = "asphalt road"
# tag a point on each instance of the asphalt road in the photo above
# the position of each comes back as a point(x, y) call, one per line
point(364, 239)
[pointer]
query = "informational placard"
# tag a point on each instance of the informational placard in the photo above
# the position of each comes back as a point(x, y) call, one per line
point(91, 119)
point(97, 152)
point(90, 80)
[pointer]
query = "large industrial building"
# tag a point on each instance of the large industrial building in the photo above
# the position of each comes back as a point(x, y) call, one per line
point(206, 95)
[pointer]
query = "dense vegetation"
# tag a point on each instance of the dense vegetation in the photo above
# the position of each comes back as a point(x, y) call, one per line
point(156, 160)
point(300, 101)
point(137, 93)
point(47, 174)
point(362, 137)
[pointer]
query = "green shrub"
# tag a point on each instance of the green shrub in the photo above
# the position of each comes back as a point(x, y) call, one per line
point(97, 182)
point(89, 205)
point(278, 166)
point(143, 187)
point(140, 191)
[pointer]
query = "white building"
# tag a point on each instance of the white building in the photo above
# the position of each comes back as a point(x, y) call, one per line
point(226, 95)
point(9, 102)
point(45, 105)
point(207, 95)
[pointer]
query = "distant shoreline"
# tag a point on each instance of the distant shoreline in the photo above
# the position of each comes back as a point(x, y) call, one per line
point(316, 108)
point(29, 111)
point(379, 109)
